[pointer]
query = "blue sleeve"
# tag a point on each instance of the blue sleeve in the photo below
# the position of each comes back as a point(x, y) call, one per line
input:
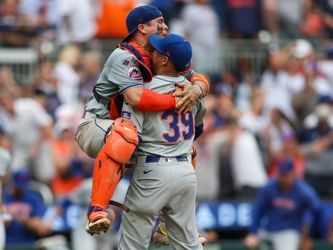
point(259, 209)
point(38, 206)
point(311, 198)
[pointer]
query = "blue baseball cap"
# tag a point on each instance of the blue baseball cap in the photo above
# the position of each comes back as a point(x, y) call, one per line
point(21, 179)
point(285, 166)
point(140, 15)
point(175, 47)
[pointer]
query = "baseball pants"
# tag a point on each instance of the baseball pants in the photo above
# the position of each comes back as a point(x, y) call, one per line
point(90, 134)
point(161, 184)
point(284, 240)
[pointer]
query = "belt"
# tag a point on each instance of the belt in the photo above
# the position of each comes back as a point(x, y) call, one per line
point(101, 99)
point(157, 158)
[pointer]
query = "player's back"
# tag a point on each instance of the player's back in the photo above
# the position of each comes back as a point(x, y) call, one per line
point(168, 133)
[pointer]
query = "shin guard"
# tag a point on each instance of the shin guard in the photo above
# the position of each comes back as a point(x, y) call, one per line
point(106, 176)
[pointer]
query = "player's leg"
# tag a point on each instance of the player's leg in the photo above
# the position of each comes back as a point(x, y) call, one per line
point(179, 213)
point(90, 135)
point(145, 198)
point(285, 240)
point(117, 150)
point(136, 230)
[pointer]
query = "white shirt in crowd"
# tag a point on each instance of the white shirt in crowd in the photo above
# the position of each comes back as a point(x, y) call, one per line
point(81, 25)
point(248, 167)
point(68, 83)
point(24, 129)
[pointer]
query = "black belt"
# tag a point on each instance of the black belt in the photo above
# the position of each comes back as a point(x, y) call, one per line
point(157, 158)
point(101, 99)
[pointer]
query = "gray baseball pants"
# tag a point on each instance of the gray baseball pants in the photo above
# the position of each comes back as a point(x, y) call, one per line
point(90, 134)
point(167, 185)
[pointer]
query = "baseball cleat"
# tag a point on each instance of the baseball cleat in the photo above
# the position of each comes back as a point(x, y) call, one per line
point(99, 220)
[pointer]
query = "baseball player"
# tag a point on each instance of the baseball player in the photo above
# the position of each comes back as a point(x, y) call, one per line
point(112, 141)
point(280, 210)
point(164, 178)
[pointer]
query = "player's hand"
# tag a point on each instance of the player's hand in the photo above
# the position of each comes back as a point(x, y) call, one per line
point(251, 241)
point(189, 95)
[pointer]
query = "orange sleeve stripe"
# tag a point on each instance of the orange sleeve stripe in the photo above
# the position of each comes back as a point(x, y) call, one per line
point(202, 79)
point(154, 102)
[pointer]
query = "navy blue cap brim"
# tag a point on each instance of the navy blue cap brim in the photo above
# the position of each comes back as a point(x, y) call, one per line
point(155, 42)
point(129, 35)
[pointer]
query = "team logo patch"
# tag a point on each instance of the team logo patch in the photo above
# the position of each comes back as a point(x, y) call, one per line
point(135, 74)
point(126, 114)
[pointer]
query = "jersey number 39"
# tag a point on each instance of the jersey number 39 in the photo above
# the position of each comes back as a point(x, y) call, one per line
point(180, 125)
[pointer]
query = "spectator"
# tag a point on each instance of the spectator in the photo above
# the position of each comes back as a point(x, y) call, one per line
point(14, 29)
point(90, 68)
point(278, 126)
point(313, 25)
point(280, 209)
point(243, 18)
point(65, 71)
point(8, 83)
point(26, 209)
point(292, 150)
point(305, 101)
point(42, 15)
point(47, 82)
point(77, 21)
point(246, 163)
point(253, 119)
point(317, 146)
point(68, 166)
point(30, 129)
point(205, 37)
point(291, 15)
point(326, 7)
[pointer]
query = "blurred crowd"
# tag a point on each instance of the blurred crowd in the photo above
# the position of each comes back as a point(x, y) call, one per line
point(26, 22)
point(252, 123)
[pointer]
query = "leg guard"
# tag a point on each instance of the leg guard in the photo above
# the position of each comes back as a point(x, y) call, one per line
point(117, 150)
point(106, 176)
point(122, 141)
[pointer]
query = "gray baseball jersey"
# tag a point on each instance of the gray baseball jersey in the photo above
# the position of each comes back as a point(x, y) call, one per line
point(120, 72)
point(166, 184)
point(166, 133)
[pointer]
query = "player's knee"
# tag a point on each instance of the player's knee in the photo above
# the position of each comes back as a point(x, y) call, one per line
point(86, 144)
point(122, 141)
point(90, 138)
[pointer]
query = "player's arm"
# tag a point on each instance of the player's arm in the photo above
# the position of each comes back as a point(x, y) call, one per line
point(125, 71)
point(148, 100)
point(191, 93)
point(252, 240)
point(259, 209)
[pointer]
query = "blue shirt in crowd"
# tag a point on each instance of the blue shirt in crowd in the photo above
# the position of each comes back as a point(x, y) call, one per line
point(30, 204)
point(276, 210)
